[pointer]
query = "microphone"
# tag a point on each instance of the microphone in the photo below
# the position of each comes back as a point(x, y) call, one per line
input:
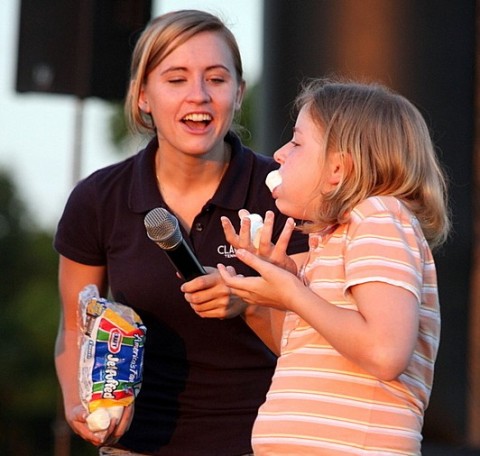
point(163, 229)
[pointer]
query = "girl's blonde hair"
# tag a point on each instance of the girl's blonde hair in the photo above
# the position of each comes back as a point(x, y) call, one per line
point(390, 148)
point(162, 36)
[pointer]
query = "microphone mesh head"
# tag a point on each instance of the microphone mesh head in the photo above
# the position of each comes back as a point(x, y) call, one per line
point(162, 228)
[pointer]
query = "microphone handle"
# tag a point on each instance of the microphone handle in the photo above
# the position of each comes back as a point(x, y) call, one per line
point(184, 261)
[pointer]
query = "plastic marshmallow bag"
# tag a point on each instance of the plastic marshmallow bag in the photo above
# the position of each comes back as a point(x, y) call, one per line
point(111, 357)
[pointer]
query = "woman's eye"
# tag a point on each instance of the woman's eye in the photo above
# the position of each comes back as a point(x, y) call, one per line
point(294, 143)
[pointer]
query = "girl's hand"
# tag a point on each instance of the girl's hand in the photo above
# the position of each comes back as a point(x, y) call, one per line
point(273, 253)
point(210, 297)
point(274, 288)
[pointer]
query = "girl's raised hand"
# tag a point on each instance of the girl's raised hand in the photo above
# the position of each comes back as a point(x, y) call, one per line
point(274, 288)
point(273, 253)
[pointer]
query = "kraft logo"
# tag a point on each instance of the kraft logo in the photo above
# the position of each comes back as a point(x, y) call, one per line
point(115, 341)
point(226, 251)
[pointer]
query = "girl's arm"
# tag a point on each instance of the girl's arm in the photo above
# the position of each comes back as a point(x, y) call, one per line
point(379, 337)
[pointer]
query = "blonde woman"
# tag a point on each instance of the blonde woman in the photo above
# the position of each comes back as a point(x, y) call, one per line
point(206, 371)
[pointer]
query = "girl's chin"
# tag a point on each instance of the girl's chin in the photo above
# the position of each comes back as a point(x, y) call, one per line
point(288, 209)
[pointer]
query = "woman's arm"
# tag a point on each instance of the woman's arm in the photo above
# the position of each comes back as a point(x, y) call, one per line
point(73, 277)
point(209, 297)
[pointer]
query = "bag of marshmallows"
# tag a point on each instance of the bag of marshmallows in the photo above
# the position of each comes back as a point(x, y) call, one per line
point(111, 357)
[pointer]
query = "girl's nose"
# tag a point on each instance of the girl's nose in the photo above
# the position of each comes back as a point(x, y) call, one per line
point(279, 155)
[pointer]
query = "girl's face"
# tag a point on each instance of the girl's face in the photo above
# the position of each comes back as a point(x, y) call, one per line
point(192, 96)
point(305, 172)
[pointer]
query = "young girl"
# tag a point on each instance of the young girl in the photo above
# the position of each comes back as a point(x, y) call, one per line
point(362, 324)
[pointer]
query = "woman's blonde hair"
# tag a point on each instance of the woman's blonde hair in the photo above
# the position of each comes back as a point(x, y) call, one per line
point(390, 148)
point(162, 36)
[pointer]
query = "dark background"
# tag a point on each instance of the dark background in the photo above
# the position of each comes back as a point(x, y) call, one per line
point(424, 49)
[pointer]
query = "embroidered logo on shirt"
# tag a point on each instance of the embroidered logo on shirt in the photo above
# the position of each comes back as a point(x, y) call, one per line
point(226, 251)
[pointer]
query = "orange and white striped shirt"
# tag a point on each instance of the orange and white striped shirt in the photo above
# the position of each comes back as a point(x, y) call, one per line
point(320, 403)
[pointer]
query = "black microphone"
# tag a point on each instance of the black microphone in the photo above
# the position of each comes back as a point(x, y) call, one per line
point(163, 229)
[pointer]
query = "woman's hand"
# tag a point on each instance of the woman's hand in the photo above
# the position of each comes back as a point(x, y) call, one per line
point(77, 416)
point(274, 253)
point(116, 430)
point(210, 297)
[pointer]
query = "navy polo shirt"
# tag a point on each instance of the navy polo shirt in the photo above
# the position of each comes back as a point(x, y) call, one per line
point(204, 379)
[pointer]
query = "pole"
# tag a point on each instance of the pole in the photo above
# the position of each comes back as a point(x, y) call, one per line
point(77, 154)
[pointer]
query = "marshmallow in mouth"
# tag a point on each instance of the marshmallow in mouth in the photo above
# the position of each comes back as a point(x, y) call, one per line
point(273, 180)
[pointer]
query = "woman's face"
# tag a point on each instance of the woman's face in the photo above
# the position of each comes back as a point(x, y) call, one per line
point(303, 170)
point(192, 96)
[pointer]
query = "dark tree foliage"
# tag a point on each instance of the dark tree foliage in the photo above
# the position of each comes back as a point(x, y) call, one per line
point(31, 412)
point(29, 393)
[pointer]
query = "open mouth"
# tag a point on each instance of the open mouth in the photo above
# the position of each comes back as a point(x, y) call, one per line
point(197, 121)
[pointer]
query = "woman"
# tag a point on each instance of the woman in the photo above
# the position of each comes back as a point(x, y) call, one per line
point(204, 378)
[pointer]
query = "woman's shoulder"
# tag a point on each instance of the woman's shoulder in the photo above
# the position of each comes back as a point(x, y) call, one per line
point(118, 173)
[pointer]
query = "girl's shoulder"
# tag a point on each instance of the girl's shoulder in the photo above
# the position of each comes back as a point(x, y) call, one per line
point(378, 205)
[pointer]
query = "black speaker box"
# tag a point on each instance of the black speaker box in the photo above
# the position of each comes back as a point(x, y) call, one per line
point(426, 50)
point(78, 47)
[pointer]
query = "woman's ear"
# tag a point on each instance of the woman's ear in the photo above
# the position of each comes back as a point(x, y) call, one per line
point(143, 101)
point(240, 95)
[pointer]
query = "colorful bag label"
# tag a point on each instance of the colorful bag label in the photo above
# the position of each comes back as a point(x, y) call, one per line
point(111, 356)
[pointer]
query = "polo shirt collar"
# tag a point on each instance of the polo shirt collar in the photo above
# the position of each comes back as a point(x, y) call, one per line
point(233, 190)
point(231, 194)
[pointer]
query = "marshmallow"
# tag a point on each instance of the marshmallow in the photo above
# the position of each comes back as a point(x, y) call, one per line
point(256, 225)
point(273, 179)
point(99, 419)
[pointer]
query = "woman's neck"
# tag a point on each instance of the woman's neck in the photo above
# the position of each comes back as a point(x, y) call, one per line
point(188, 183)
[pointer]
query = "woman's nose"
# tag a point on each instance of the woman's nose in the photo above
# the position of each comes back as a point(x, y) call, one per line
point(199, 91)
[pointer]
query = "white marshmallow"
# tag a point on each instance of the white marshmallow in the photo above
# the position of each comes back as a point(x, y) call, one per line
point(99, 419)
point(273, 179)
point(256, 225)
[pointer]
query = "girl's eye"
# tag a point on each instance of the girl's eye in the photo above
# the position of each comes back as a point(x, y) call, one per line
point(294, 143)
point(176, 80)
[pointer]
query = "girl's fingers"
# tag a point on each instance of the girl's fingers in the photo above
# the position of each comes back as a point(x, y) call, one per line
point(285, 235)
point(266, 233)
point(244, 233)
point(229, 230)
point(243, 213)
point(242, 239)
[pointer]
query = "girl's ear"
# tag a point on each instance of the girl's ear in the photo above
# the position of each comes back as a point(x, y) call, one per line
point(339, 163)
